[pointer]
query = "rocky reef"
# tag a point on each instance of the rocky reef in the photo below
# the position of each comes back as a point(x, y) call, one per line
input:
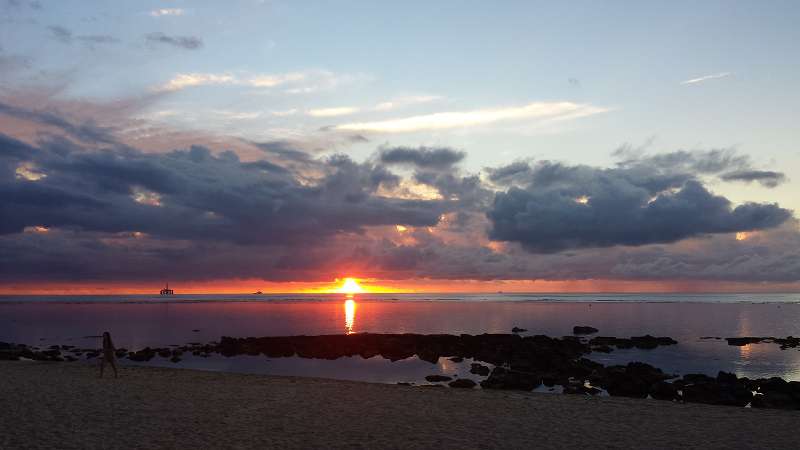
point(519, 363)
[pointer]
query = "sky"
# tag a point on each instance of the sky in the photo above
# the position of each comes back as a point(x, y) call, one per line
point(456, 146)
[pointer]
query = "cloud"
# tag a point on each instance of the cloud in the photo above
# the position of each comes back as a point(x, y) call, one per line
point(422, 157)
point(66, 36)
point(725, 163)
point(192, 194)
point(448, 120)
point(568, 207)
point(167, 12)
point(332, 112)
point(88, 131)
point(185, 42)
point(184, 80)
point(707, 78)
point(519, 171)
point(297, 82)
point(402, 102)
point(121, 214)
point(767, 178)
point(60, 33)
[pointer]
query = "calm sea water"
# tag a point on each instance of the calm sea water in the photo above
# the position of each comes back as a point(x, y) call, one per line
point(139, 321)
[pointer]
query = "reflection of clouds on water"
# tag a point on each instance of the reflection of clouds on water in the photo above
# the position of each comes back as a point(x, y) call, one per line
point(349, 315)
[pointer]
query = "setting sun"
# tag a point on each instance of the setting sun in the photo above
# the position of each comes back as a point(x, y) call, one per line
point(350, 286)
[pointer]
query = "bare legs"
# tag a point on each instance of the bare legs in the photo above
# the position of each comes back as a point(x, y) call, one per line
point(113, 366)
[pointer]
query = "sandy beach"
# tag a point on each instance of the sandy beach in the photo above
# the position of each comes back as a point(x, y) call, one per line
point(60, 405)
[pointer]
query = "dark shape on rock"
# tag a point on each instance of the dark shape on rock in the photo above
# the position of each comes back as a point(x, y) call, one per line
point(457, 359)
point(175, 359)
point(479, 369)
point(437, 378)
point(584, 330)
point(518, 330)
point(464, 383)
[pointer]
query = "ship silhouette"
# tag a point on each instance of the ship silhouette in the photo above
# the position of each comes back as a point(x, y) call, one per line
point(167, 291)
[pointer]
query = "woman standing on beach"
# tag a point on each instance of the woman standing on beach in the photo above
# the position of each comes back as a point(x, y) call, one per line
point(109, 355)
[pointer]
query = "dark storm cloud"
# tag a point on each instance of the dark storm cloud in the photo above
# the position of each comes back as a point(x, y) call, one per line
point(195, 195)
point(88, 131)
point(570, 207)
point(202, 215)
point(422, 157)
point(284, 149)
point(767, 178)
point(509, 174)
point(185, 42)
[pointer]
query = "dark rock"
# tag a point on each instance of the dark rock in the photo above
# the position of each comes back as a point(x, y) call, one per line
point(518, 330)
point(584, 330)
point(602, 349)
point(726, 378)
point(580, 389)
point(775, 400)
point(465, 383)
point(642, 342)
point(695, 378)
point(146, 354)
point(437, 378)
point(479, 369)
point(457, 359)
point(175, 359)
point(502, 378)
point(742, 341)
point(633, 380)
point(715, 393)
point(662, 390)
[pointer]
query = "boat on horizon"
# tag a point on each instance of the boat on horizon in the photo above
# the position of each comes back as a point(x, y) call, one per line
point(167, 290)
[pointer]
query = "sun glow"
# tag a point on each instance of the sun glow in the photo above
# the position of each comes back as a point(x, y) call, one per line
point(350, 286)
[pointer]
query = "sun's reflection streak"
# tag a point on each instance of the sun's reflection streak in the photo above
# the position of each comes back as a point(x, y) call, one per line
point(349, 315)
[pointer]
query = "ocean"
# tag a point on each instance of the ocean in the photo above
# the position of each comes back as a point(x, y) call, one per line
point(694, 320)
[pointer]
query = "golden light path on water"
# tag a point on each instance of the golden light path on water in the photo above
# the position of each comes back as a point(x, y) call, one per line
point(349, 314)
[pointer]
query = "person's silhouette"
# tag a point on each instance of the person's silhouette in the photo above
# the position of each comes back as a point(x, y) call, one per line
point(109, 354)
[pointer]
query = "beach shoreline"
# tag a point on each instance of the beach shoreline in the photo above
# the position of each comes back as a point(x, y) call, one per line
point(59, 405)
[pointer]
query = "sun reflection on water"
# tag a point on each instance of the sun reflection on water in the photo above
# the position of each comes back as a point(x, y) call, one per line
point(349, 315)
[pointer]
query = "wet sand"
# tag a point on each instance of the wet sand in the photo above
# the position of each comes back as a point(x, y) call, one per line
point(61, 405)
